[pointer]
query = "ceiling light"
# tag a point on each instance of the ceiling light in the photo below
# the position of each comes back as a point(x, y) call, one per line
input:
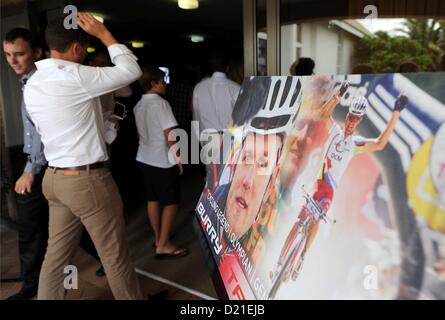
point(188, 4)
point(196, 38)
point(99, 17)
point(137, 44)
point(91, 49)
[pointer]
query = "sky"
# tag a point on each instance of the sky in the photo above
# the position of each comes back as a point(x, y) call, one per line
point(389, 25)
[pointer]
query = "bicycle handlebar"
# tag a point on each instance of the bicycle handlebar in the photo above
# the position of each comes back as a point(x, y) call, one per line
point(314, 203)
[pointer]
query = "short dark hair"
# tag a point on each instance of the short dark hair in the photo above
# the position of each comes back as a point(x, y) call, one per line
point(304, 67)
point(60, 39)
point(23, 33)
point(408, 66)
point(149, 74)
point(219, 60)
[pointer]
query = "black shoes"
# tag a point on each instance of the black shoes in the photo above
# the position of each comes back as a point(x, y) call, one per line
point(100, 272)
point(24, 294)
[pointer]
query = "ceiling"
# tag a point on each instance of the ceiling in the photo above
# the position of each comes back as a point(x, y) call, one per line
point(163, 21)
point(164, 28)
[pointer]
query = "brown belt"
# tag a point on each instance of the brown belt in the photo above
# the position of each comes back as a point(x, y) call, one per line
point(96, 165)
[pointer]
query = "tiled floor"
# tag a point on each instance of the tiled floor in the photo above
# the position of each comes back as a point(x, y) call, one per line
point(184, 278)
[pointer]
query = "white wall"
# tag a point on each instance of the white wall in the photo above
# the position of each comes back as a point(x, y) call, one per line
point(319, 42)
point(288, 47)
point(348, 53)
point(308, 40)
point(326, 50)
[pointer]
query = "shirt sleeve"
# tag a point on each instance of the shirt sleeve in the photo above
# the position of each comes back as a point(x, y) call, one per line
point(35, 161)
point(36, 158)
point(109, 127)
point(165, 116)
point(195, 105)
point(110, 132)
point(235, 92)
point(195, 114)
point(97, 81)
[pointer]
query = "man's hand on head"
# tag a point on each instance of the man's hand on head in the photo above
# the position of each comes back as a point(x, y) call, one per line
point(95, 28)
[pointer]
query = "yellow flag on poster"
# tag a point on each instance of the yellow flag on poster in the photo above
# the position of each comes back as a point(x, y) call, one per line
point(422, 192)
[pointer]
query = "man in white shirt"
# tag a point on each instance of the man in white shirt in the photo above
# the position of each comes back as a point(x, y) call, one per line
point(215, 97)
point(111, 125)
point(63, 101)
point(213, 102)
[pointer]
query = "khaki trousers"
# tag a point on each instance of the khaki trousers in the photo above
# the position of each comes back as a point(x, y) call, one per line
point(87, 198)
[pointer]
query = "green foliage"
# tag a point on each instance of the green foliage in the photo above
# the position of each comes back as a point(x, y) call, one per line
point(423, 43)
point(425, 31)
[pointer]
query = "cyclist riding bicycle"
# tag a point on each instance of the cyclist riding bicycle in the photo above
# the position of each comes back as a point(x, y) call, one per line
point(343, 144)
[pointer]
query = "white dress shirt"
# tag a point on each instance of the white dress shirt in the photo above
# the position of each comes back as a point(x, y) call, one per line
point(62, 99)
point(109, 127)
point(213, 101)
point(153, 115)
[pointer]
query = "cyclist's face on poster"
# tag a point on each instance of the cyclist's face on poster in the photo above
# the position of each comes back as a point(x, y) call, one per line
point(352, 122)
point(256, 164)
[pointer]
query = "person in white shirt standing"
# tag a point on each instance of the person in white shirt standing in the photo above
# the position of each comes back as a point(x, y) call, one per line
point(215, 97)
point(63, 101)
point(213, 101)
point(159, 165)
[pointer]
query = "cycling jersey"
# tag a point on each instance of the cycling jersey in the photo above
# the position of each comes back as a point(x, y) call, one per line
point(338, 154)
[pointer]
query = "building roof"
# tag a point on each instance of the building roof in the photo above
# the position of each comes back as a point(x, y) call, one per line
point(353, 27)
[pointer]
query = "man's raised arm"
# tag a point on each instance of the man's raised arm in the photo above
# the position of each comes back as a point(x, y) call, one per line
point(379, 144)
point(98, 81)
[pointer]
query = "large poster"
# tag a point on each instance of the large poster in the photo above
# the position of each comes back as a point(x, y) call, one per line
point(331, 187)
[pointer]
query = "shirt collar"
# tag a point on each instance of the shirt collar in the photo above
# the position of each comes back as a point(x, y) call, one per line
point(26, 77)
point(218, 74)
point(45, 63)
point(150, 95)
